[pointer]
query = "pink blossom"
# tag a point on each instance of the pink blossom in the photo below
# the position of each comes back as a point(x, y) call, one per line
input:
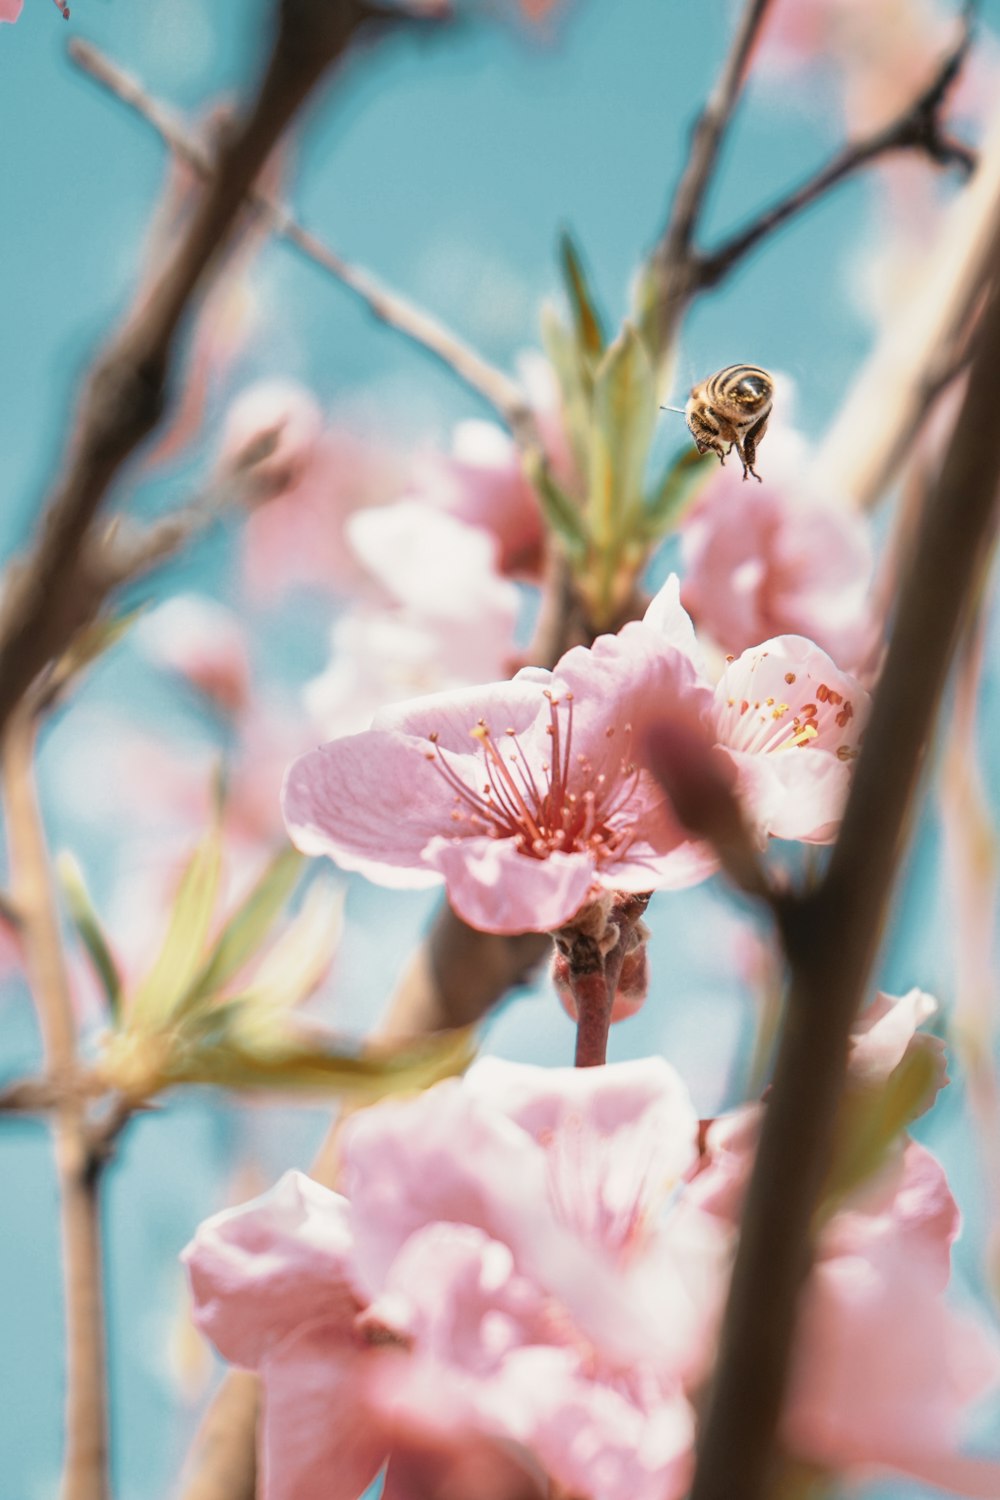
point(884, 1368)
point(500, 1256)
point(202, 642)
point(443, 617)
point(523, 796)
point(788, 720)
point(317, 477)
point(10, 9)
point(481, 482)
point(780, 560)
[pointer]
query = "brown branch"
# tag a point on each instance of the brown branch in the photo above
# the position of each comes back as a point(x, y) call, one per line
point(889, 400)
point(832, 938)
point(126, 392)
point(672, 263)
point(505, 395)
point(918, 128)
point(85, 1474)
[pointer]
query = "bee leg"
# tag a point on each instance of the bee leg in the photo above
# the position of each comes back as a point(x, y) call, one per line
point(748, 451)
point(706, 435)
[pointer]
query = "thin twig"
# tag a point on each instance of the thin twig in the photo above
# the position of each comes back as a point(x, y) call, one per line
point(85, 1464)
point(126, 391)
point(831, 940)
point(504, 394)
point(917, 128)
point(671, 263)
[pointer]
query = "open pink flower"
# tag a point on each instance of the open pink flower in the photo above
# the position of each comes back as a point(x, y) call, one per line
point(523, 796)
point(777, 561)
point(501, 1256)
point(884, 1368)
point(788, 720)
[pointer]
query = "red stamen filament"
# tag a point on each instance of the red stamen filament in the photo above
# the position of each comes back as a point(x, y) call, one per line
point(544, 815)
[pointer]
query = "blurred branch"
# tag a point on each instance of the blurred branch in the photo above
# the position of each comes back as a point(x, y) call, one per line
point(678, 271)
point(831, 938)
point(388, 306)
point(918, 128)
point(924, 344)
point(126, 391)
point(672, 263)
point(85, 1463)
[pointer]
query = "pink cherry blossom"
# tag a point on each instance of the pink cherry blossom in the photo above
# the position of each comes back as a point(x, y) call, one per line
point(316, 477)
point(10, 9)
point(780, 560)
point(884, 1367)
point(523, 796)
point(203, 642)
point(787, 719)
point(500, 1255)
point(481, 482)
point(791, 723)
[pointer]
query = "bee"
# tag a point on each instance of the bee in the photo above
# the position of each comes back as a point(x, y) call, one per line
point(730, 410)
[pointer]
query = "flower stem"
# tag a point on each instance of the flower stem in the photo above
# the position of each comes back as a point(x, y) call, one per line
point(593, 995)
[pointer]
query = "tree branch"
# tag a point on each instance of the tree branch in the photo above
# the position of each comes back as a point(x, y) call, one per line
point(917, 128)
point(831, 940)
point(85, 1475)
point(671, 264)
point(127, 390)
point(505, 395)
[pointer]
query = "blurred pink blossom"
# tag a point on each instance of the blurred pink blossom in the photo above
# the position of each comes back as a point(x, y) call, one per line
point(523, 796)
point(10, 9)
point(445, 618)
point(204, 643)
point(885, 1369)
point(316, 477)
point(782, 559)
point(481, 481)
point(501, 1256)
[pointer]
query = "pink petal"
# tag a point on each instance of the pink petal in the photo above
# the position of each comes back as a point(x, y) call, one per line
point(668, 617)
point(494, 887)
point(10, 9)
point(798, 793)
point(319, 1439)
point(372, 802)
point(258, 1271)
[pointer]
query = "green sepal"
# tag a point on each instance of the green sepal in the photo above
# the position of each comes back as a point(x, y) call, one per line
point(368, 1074)
point(560, 510)
point(679, 486)
point(84, 917)
point(183, 951)
point(623, 421)
point(586, 317)
point(575, 379)
point(872, 1121)
point(244, 933)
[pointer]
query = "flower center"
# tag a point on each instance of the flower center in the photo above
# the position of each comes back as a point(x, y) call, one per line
point(562, 804)
point(767, 726)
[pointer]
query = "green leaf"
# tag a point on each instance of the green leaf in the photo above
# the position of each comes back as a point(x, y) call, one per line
point(575, 381)
point(183, 952)
point(367, 1075)
point(560, 510)
point(87, 923)
point(244, 933)
point(624, 419)
point(679, 486)
point(586, 318)
point(294, 966)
